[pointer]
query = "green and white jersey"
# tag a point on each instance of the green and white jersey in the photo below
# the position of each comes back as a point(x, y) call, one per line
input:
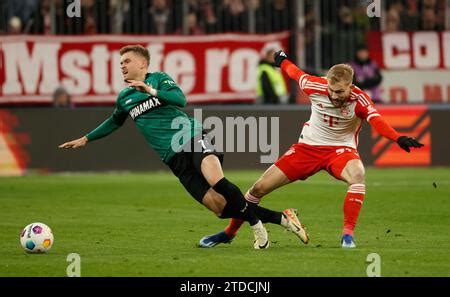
point(165, 127)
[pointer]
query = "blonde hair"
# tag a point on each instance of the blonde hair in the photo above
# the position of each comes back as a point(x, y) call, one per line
point(138, 49)
point(340, 73)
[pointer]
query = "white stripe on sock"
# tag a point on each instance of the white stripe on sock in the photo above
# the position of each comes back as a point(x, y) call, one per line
point(250, 198)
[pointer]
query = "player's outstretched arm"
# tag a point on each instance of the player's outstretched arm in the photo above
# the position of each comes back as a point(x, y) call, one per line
point(111, 124)
point(384, 129)
point(281, 60)
point(80, 142)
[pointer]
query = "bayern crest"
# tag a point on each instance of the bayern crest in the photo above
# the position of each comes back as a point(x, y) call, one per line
point(345, 110)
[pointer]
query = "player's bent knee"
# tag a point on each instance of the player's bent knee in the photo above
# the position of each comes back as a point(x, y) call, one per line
point(357, 178)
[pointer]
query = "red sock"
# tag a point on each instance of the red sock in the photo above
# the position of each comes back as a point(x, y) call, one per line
point(352, 206)
point(233, 227)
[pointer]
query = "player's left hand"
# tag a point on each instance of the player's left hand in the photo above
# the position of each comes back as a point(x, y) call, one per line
point(406, 142)
point(75, 143)
point(142, 87)
point(279, 57)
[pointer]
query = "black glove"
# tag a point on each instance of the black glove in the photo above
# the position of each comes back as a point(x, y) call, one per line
point(406, 142)
point(279, 57)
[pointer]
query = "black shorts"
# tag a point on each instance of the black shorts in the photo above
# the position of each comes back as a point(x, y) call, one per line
point(186, 165)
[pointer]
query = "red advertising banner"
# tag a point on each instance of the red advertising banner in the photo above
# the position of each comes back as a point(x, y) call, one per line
point(415, 66)
point(424, 50)
point(211, 68)
point(413, 121)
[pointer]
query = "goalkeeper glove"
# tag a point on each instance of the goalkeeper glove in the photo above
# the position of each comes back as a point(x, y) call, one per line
point(406, 142)
point(279, 57)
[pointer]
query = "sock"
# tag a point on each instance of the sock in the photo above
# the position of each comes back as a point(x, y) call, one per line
point(233, 227)
point(352, 206)
point(264, 214)
point(253, 199)
point(237, 206)
point(267, 215)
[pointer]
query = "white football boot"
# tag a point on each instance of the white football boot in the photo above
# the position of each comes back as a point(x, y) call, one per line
point(261, 237)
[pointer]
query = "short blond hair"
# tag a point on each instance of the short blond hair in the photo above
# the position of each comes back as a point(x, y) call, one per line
point(138, 49)
point(340, 73)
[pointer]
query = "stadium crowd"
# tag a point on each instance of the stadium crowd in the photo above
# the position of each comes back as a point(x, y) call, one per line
point(146, 16)
point(214, 16)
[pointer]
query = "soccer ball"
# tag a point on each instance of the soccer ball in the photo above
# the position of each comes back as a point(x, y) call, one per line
point(36, 238)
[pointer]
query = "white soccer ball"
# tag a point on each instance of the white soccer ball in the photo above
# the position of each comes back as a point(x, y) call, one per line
point(36, 238)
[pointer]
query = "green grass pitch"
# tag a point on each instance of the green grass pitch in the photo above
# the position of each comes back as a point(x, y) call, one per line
point(129, 224)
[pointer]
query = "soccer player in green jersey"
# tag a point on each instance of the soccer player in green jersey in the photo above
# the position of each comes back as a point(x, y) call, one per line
point(153, 101)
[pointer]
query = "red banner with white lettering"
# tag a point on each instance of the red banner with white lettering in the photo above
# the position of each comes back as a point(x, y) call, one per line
point(210, 68)
point(424, 50)
point(415, 65)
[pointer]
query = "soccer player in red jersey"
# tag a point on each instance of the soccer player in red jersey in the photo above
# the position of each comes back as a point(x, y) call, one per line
point(328, 142)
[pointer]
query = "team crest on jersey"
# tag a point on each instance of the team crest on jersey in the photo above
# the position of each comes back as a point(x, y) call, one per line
point(345, 110)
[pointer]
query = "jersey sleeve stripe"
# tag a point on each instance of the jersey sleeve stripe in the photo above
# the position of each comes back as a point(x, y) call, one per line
point(303, 80)
point(373, 115)
point(363, 100)
point(320, 85)
point(316, 89)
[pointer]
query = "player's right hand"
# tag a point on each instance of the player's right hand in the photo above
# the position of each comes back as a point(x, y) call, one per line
point(406, 142)
point(279, 57)
point(75, 143)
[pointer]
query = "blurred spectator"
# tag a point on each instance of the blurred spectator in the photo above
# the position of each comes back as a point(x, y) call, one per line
point(193, 28)
point(14, 25)
point(133, 20)
point(340, 38)
point(428, 20)
point(367, 74)
point(160, 18)
point(209, 16)
point(362, 22)
point(90, 26)
point(410, 17)
point(345, 20)
point(271, 87)
point(234, 17)
point(25, 10)
point(116, 16)
point(61, 98)
point(393, 20)
point(433, 15)
point(260, 24)
point(45, 24)
point(280, 16)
